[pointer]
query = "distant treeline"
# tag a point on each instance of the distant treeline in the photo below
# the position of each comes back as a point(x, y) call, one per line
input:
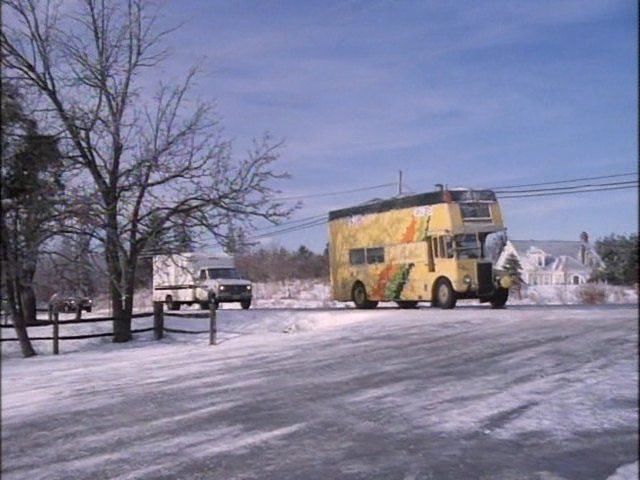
point(87, 275)
point(278, 263)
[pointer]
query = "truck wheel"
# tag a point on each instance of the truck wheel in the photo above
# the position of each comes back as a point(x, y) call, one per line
point(245, 304)
point(499, 298)
point(171, 305)
point(359, 295)
point(444, 295)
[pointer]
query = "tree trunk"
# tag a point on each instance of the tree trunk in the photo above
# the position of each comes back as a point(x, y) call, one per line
point(28, 304)
point(121, 320)
point(18, 319)
point(129, 287)
point(23, 338)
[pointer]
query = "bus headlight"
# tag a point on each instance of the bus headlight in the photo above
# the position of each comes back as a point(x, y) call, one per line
point(221, 287)
point(506, 281)
point(467, 280)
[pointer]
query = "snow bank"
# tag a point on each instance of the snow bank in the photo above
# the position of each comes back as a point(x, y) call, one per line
point(572, 295)
point(626, 472)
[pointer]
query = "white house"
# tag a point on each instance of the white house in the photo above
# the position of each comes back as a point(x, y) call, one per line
point(554, 262)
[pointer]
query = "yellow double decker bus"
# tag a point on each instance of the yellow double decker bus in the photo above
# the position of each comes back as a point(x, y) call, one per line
point(431, 247)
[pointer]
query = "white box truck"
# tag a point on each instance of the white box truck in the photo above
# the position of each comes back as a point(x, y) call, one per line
point(188, 278)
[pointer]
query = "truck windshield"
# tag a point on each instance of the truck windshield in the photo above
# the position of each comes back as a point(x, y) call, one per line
point(213, 273)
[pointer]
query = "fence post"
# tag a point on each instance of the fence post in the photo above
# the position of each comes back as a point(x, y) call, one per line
point(55, 330)
point(158, 320)
point(213, 327)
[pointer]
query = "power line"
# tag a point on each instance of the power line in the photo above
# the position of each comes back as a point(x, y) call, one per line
point(317, 220)
point(573, 187)
point(497, 189)
point(293, 229)
point(548, 194)
point(343, 192)
point(290, 223)
point(567, 181)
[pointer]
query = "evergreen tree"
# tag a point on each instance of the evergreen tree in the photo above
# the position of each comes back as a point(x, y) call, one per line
point(620, 256)
point(513, 267)
point(31, 186)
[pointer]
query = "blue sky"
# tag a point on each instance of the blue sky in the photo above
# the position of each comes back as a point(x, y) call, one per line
point(477, 94)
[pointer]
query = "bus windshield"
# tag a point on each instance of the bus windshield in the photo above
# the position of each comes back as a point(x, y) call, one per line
point(467, 246)
point(484, 245)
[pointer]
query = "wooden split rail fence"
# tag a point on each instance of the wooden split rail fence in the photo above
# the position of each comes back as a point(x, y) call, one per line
point(158, 326)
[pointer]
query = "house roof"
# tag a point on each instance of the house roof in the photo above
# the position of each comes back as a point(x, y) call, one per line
point(555, 248)
point(567, 264)
point(560, 254)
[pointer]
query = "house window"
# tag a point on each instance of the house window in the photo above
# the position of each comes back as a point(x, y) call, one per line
point(576, 280)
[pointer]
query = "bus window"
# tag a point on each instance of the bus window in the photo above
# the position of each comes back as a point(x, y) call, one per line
point(475, 211)
point(435, 247)
point(467, 246)
point(375, 255)
point(356, 256)
point(446, 247)
point(431, 243)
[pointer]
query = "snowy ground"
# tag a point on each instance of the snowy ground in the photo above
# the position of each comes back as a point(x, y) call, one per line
point(531, 392)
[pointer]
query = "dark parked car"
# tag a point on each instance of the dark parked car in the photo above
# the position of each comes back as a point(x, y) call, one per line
point(70, 302)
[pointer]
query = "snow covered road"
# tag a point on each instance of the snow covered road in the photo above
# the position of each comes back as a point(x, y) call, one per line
point(524, 393)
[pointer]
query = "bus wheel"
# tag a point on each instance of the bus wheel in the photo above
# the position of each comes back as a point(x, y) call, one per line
point(499, 298)
point(444, 294)
point(359, 295)
point(407, 304)
point(171, 305)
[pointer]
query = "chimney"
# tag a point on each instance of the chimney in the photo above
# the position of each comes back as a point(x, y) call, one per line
point(584, 240)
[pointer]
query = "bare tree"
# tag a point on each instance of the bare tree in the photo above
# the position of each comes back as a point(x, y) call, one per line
point(150, 163)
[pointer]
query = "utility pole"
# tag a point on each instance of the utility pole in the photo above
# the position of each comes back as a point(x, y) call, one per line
point(399, 182)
